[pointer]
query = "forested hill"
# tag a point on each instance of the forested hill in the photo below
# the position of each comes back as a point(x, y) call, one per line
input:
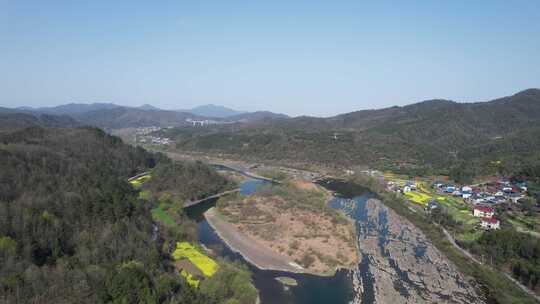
point(430, 136)
point(11, 121)
point(124, 117)
point(73, 230)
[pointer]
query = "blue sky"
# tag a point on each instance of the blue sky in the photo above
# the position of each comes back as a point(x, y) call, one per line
point(297, 57)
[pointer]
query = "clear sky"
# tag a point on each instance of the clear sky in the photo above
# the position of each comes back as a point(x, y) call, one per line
point(297, 57)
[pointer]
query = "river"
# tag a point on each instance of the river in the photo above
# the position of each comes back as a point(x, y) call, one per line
point(311, 289)
point(380, 268)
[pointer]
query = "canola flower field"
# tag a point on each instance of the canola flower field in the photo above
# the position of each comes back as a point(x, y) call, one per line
point(206, 265)
point(140, 180)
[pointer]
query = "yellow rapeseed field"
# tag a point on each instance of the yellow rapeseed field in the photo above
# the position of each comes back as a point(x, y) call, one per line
point(418, 197)
point(185, 250)
point(140, 180)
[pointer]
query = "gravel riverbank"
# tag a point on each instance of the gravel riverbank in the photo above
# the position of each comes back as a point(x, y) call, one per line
point(399, 265)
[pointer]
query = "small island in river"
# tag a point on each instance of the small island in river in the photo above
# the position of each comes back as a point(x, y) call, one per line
point(287, 227)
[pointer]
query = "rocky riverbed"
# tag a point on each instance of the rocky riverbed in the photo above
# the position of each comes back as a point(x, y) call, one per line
point(398, 264)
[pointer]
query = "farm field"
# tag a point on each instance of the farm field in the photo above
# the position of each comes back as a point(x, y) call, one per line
point(419, 197)
point(187, 252)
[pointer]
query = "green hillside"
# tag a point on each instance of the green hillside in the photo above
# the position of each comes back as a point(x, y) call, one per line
point(73, 230)
point(428, 137)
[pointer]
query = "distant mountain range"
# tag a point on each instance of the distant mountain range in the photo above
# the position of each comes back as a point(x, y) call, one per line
point(213, 111)
point(70, 108)
point(112, 116)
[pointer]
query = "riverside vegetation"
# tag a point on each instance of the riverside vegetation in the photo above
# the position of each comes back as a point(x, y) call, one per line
point(72, 229)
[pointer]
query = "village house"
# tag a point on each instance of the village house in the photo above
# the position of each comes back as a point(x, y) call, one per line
point(432, 205)
point(466, 195)
point(411, 185)
point(490, 223)
point(438, 185)
point(483, 211)
point(450, 189)
point(514, 197)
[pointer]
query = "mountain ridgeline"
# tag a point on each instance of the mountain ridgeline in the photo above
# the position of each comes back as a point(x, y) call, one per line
point(110, 116)
point(435, 136)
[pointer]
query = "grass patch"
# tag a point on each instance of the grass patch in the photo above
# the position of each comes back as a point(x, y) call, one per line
point(160, 215)
point(469, 236)
point(145, 195)
point(274, 174)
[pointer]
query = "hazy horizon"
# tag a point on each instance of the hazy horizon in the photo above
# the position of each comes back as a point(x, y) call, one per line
point(245, 111)
point(299, 58)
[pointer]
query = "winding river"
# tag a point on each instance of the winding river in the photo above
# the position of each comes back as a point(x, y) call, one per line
point(397, 264)
point(310, 289)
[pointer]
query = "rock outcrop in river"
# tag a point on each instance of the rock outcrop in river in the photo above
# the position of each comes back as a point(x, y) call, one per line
point(398, 264)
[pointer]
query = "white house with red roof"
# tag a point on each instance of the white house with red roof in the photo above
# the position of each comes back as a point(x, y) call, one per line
point(490, 223)
point(483, 211)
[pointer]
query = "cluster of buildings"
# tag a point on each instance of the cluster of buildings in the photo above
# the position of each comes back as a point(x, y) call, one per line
point(144, 135)
point(483, 198)
point(157, 140)
point(496, 192)
point(486, 213)
point(146, 130)
point(395, 187)
point(201, 123)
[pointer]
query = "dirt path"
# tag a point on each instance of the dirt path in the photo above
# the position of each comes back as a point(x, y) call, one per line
point(253, 252)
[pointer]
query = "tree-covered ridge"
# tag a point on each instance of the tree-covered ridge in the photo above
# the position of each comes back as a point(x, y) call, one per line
point(186, 180)
point(73, 230)
point(428, 137)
